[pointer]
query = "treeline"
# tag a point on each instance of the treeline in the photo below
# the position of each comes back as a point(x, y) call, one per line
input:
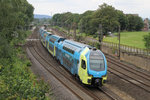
point(106, 15)
point(41, 21)
point(15, 16)
point(16, 80)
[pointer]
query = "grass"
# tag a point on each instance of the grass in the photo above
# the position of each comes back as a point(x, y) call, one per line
point(134, 39)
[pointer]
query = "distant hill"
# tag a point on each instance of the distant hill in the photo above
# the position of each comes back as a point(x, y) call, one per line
point(38, 16)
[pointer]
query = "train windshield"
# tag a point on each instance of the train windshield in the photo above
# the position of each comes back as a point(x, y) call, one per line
point(96, 61)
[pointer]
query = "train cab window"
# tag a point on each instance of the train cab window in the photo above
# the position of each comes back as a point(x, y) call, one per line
point(83, 64)
point(97, 61)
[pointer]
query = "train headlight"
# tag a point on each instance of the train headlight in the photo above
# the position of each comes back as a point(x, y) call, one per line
point(104, 78)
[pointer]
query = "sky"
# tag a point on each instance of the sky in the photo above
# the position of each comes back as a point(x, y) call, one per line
point(51, 7)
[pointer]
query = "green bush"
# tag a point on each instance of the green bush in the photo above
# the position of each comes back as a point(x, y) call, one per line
point(18, 82)
point(16, 79)
point(147, 41)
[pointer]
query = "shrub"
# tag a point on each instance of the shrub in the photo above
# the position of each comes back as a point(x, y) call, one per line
point(18, 82)
point(147, 41)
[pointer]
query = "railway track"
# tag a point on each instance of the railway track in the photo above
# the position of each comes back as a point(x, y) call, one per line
point(129, 74)
point(50, 66)
point(95, 94)
point(126, 67)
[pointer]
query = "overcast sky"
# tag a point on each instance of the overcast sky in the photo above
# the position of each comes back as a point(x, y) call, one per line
point(51, 7)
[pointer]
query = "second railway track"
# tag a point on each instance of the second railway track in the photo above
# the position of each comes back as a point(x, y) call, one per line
point(129, 74)
point(69, 82)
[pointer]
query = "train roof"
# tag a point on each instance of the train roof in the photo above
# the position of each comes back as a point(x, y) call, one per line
point(56, 36)
point(49, 33)
point(75, 46)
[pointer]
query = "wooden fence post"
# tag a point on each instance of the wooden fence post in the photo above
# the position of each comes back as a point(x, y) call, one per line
point(119, 42)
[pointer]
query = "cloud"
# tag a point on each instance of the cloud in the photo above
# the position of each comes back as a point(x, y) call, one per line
point(140, 7)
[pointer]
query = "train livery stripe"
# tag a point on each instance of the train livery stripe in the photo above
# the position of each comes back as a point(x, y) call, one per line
point(49, 49)
point(85, 51)
point(84, 77)
point(51, 52)
point(45, 43)
point(54, 51)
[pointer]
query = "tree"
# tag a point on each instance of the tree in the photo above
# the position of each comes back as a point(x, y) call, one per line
point(122, 19)
point(15, 15)
point(149, 23)
point(85, 22)
point(147, 41)
point(135, 23)
point(107, 16)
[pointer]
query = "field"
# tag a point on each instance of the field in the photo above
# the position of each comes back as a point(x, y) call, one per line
point(134, 39)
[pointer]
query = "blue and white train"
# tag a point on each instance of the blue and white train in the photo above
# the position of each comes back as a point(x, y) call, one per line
point(83, 61)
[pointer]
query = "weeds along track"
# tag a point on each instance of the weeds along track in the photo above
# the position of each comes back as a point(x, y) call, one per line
point(68, 80)
point(129, 73)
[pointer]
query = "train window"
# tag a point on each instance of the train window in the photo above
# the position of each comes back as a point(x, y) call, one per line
point(61, 39)
point(51, 47)
point(67, 60)
point(49, 34)
point(68, 49)
point(52, 40)
point(97, 62)
point(83, 64)
point(46, 43)
point(45, 35)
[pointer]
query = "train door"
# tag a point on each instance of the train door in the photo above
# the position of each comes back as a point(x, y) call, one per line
point(46, 42)
point(45, 39)
point(51, 49)
point(82, 71)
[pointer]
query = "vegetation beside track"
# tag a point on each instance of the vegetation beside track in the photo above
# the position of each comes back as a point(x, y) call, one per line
point(135, 39)
point(16, 80)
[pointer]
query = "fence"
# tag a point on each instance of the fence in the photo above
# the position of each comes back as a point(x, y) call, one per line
point(114, 46)
point(128, 49)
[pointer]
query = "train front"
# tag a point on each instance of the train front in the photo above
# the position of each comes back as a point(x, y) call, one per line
point(97, 67)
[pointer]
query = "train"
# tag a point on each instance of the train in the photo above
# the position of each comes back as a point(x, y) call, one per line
point(83, 61)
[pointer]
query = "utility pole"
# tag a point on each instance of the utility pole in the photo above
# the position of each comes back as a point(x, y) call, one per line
point(69, 26)
point(74, 27)
point(100, 36)
point(119, 42)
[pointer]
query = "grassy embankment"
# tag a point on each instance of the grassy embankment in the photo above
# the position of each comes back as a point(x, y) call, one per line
point(134, 39)
point(17, 82)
